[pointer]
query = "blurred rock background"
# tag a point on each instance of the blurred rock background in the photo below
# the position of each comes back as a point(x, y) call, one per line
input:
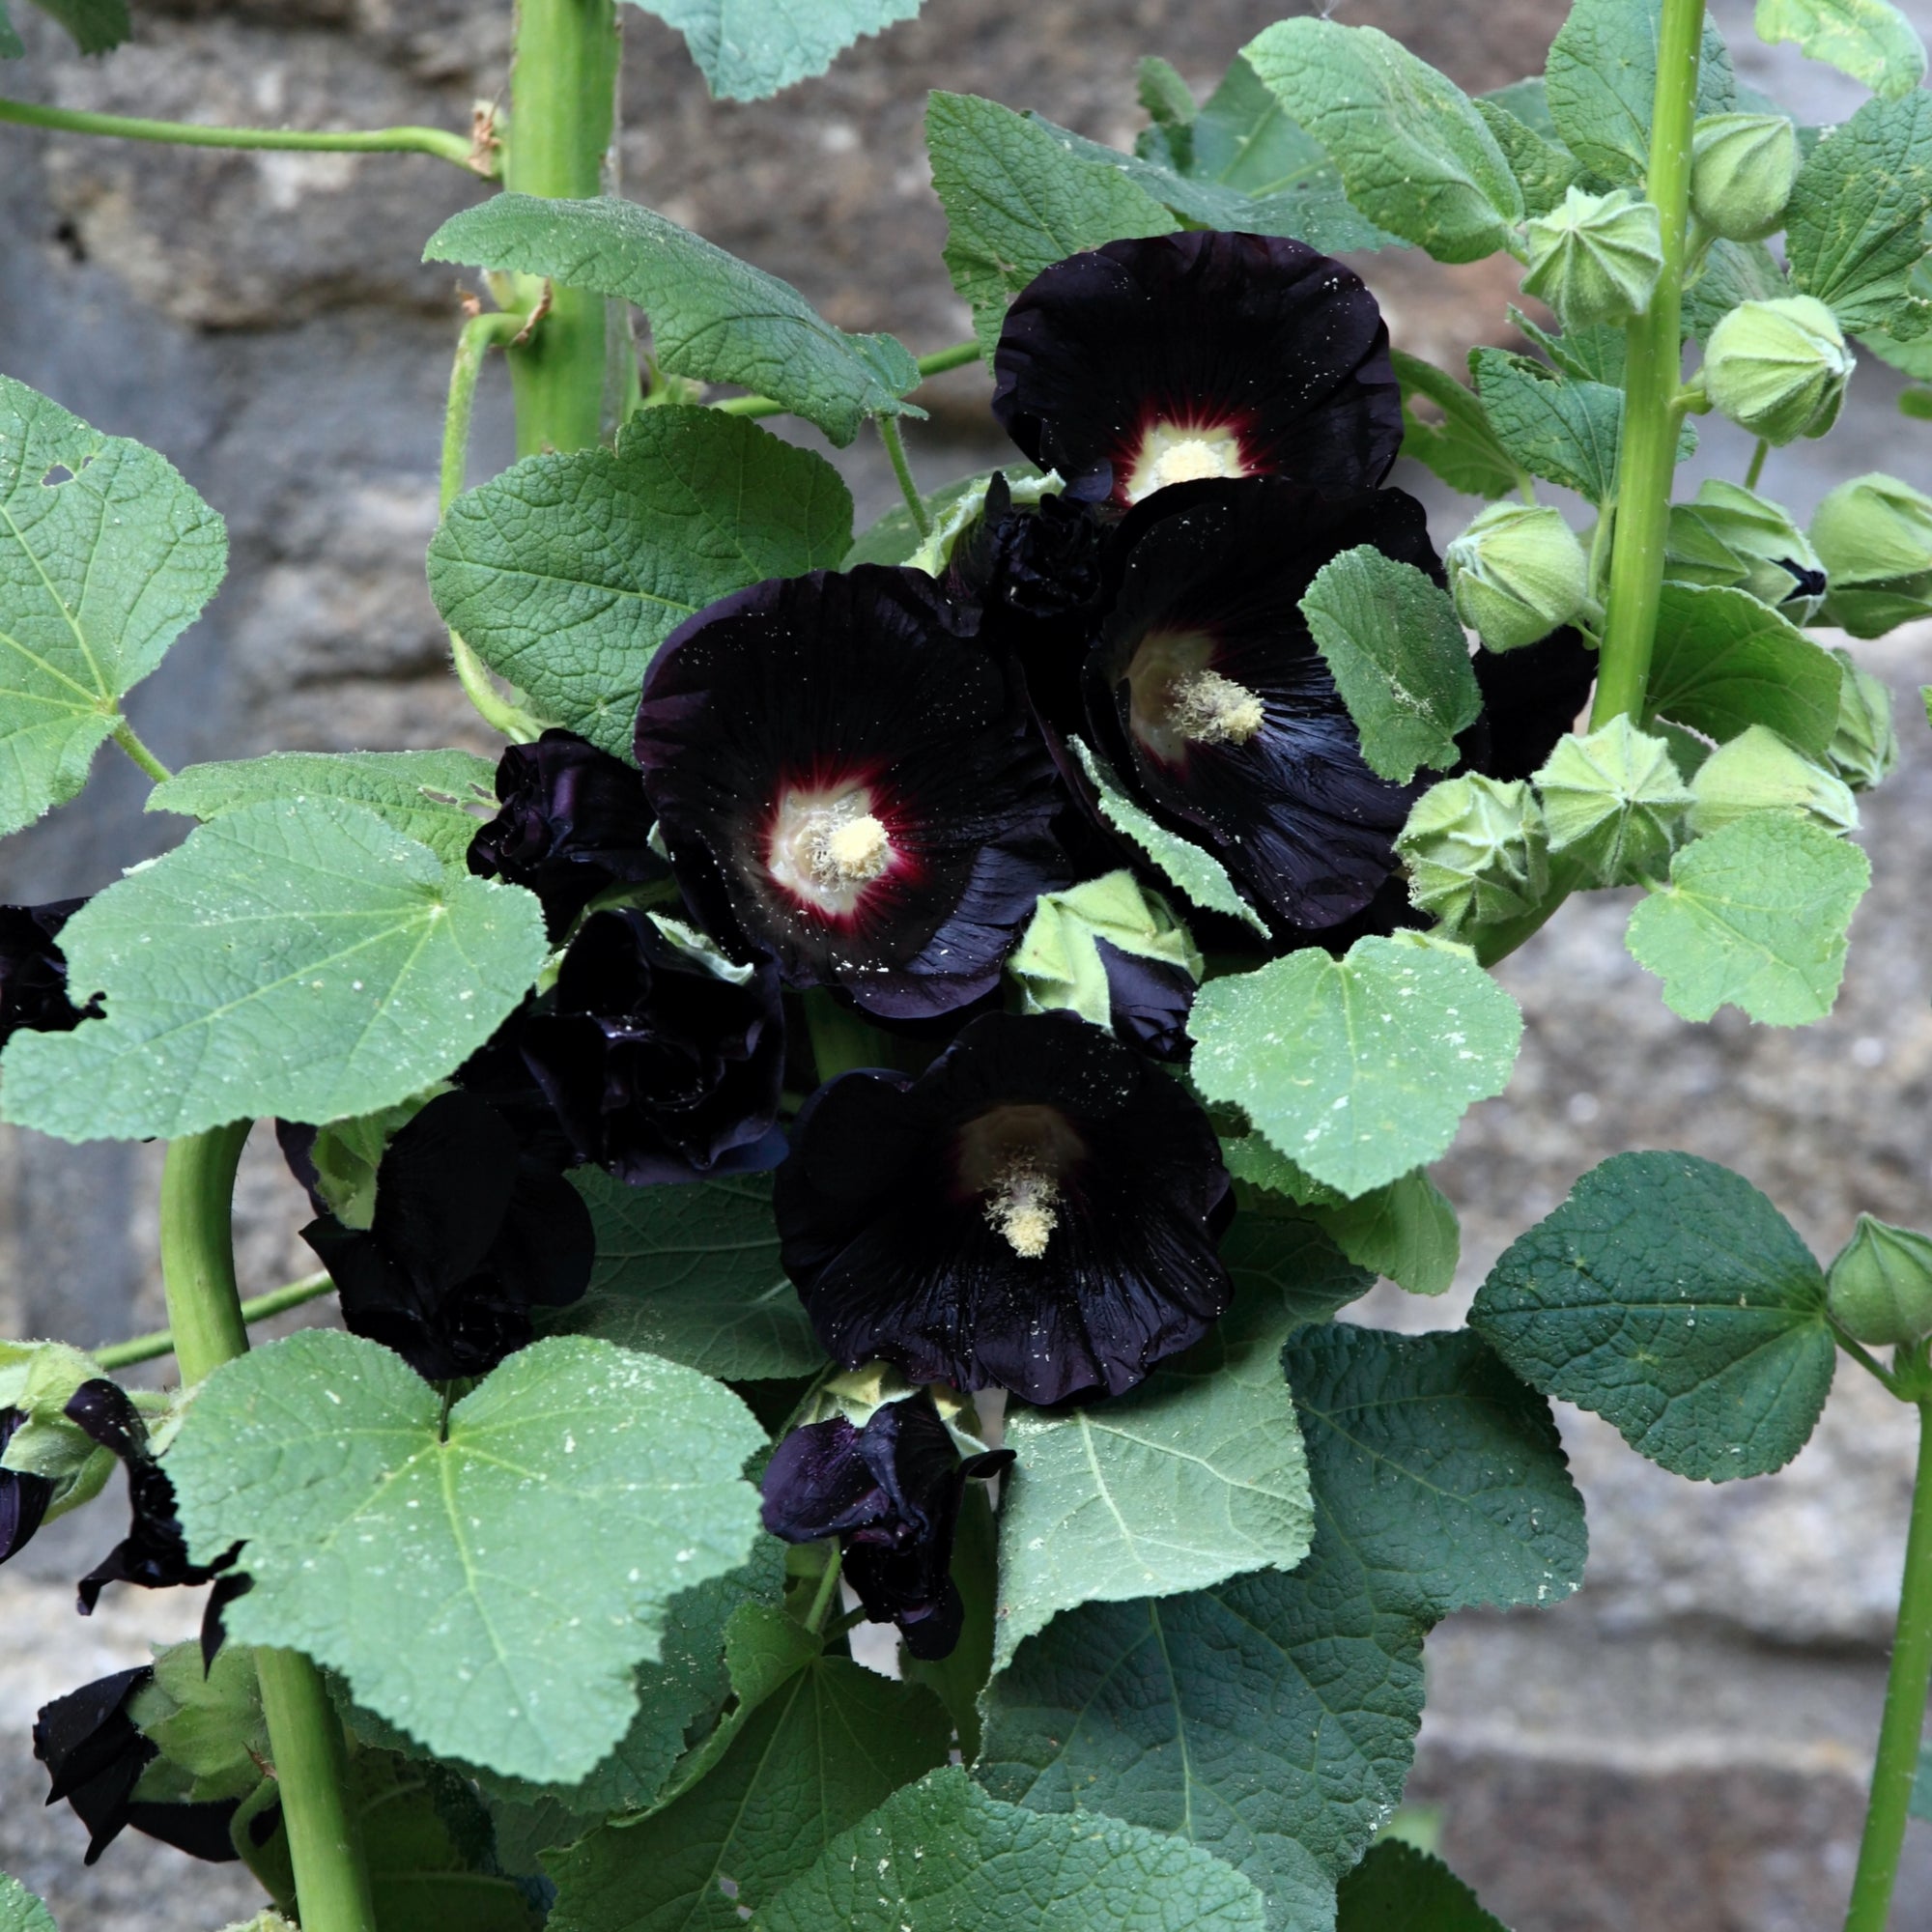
point(1685, 1742)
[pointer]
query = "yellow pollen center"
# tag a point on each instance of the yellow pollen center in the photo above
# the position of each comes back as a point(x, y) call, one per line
point(1211, 709)
point(1176, 453)
point(1022, 1206)
point(851, 852)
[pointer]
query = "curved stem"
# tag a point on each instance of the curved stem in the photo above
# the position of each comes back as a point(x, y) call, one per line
point(198, 1250)
point(1904, 1722)
point(435, 141)
point(1756, 469)
point(954, 356)
point(889, 435)
point(126, 736)
point(1652, 410)
point(827, 1593)
point(258, 1308)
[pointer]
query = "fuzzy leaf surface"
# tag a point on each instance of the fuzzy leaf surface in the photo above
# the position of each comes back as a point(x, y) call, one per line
point(1725, 661)
point(1290, 1263)
point(565, 572)
point(944, 1857)
point(19, 1910)
point(1357, 1068)
point(1406, 1231)
point(1756, 915)
point(1461, 449)
point(1869, 40)
point(301, 960)
point(433, 797)
point(1396, 1889)
point(488, 1589)
point(106, 556)
point(1671, 1298)
point(1553, 426)
point(713, 318)
point(747, 49)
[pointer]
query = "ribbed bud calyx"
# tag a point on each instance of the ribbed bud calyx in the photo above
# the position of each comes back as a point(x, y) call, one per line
point(1729, 536)
point(1779, 368)
point(1517, 573)
point(1864, 746)
point(1596, 258)
point(1475, 851)
point(1757, 771)
point(1742, 171)
point(1874, 535)
point(1880, 1287)
point(1614, 801)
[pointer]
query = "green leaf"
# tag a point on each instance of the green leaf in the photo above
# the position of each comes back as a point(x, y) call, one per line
point(487, 1584)
point(433, 797)
point(713, 318)
point(1017, 199)
point(106, 556)
point(1602, 83)
point(1544, 170)
point(1390, 638)
point(98, 26)
point(1854, 229)
point(1725, 661)
point(1869, 40)
point(1357, 1068)
point(567, 573)
point(1406, 1231)
point(942, 1856)
point(1755, 916)
point(1733, 272)
point(1196, 872)
point(1194, 1477)
point(692, 1273)
point(1462, 448)
point(301, 960)
point(1415, 157)
point(19, 1910)
point(747, 49)
point(1398, 1888)
point(1671, 1298)
point(1283, 1260)
point(1553, 426)
point(1588, 354)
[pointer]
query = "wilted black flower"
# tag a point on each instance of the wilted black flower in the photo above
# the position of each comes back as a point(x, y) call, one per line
point(848, 782)
point(574, 821)
point(661, 1064)
point(94, 1755)
point(1153, 362)
point(469, 1233)
point(33, 972)
point(891, 1494)
point(1530, 698)
point(1038, 1208)
point(23, 1498)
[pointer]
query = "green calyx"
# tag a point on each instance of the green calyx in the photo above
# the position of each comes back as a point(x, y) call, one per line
point(1864, 746)
point(1614, 801)
point(1779, 368)
point(1742, 171)
point(1516, 572)
point(39, 1379)
point(1058, 965)
point(1757, 771)
point(1595, 258)
point(1874, 535)
point(1880, 1288)
point(1731, 537)
point(1476, 852)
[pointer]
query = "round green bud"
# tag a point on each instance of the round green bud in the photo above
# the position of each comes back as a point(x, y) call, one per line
point(1476, 852)
point(1516, 572)
point(1596, 258)
point(1742, 170)
point(1864, 746)
point(1880, 1287)
point(1779, 368)
point(1875, 537)
point(1615, 801)
point(1729, 536)
point(1757, 771)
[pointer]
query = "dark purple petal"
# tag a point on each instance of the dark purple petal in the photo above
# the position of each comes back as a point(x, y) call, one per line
point(818, 1484)
point(1038, 1209)
point(1530, 698)
point(1148, 1000)
point(33, 972)
point(1149, 362)
point(23, 1498)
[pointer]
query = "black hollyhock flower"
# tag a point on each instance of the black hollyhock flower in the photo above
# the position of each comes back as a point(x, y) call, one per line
point(574, 821)
point(23, 1498)
point(1209, 694)
point(891, 1494)
point(94, 1755)
point(1148, 363)
point(849, 780)
point(33, 972)
point(469, 1233)
point(1530, 698)
point(658, 1068)
point(1038, 1209)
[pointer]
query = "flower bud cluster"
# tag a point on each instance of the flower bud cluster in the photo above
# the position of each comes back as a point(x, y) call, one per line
point(1517, 573)
point(1596, 258)
point(1614, 801)
point(1742, 167)
point(1476, 852)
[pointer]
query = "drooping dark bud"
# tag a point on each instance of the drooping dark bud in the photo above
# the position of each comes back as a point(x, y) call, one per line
point(33, 972)
point(23, 1498)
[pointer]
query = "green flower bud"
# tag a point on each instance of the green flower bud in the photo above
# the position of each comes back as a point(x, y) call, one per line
point(1875, 536)
point(38, 1379)
point(1742, 171)
point(1476, 852)
point(1757, 771)
point(1864, 748)
point(1516, 572)
point(1595, 259)
point(1615, 801)
point(1880, 1287)
point(1729, 537)
point(1779, 368)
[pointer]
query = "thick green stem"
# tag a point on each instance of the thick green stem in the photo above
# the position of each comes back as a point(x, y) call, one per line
point(889, 435)
point(447, 146)
point(1654, 363)
point(827, 1593)
point(129, 739)
point(304, 1734)
point(563, 92)
point(956, 356)
point(257, 1308)
point(1903, 1725)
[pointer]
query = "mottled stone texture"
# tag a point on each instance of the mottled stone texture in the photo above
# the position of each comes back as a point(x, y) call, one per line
point(1680, 1746)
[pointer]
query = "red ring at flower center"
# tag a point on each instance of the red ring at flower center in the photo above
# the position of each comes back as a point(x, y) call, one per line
point(1176, 699)
point(825, 843)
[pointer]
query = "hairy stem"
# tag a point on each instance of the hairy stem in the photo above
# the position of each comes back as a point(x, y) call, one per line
point(1653, 408)
point(304, 1734)
point(889, 435)
point(258, 1308)
point(1756, 469)
point(956, 356)
point(1904, 1722)
point(129, 739)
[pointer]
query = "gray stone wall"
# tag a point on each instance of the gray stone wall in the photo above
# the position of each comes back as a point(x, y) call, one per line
point(1682, 1744)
